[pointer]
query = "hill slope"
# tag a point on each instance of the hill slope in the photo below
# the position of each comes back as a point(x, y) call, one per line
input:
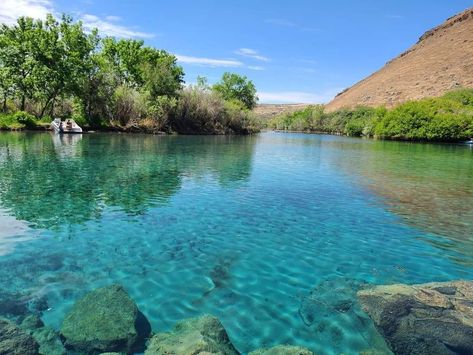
point(267, 111)
point(441, 60)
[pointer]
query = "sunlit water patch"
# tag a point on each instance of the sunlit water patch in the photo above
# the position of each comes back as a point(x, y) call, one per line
point(273, 234)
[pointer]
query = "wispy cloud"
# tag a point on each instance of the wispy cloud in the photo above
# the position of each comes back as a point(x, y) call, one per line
point(113, 18)
point(308, 61)
point(109, 27)
point(256, 67)
point(290, 24)
point(298, 97)
point(11, 10)
point(209, 62)
point(251, 53)
point(281, 22)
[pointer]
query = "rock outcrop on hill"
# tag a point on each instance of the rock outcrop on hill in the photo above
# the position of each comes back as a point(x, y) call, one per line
point(441, 60)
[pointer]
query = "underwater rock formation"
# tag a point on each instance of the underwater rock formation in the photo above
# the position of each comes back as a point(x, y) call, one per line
point(48, 339)
point(14, 341)
point(433, 318)
point(283, 350)
point(105, 320)
point(328, 297)
point(203, 335)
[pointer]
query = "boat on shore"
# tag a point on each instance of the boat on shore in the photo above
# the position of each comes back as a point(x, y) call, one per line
point(68, 126)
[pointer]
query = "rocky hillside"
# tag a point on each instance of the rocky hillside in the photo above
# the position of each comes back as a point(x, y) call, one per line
point(267, 111)
point(441, 60)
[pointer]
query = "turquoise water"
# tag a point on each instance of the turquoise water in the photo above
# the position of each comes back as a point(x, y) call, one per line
point(274, 234)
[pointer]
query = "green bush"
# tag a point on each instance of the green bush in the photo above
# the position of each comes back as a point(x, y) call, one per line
point(24, 118)
point(434, 119)
point(447, 118)
point(463, 96)
point(17, 120)
point(206, 112)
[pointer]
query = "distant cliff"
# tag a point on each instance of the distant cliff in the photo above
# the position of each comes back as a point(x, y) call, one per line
point(441, 60)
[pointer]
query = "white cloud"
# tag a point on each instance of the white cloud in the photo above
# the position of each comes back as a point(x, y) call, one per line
point(251, 53)
point(209, 62)
point(287, 23)
point(11, 10)
point(256, 67)
point(113, 18)
point(281, 22)
point(108, 27)
point(297, 97)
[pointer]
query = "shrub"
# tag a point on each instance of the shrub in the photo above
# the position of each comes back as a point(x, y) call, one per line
point(448, 118)
point(128, 104)
point(17, 120)
point(435, 119)
point(206, 112)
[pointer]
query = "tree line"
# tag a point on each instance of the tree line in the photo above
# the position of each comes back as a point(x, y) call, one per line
point(446, 118)
point(54, 68)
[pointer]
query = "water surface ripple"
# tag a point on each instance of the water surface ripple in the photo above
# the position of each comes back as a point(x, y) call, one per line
point(274, 234)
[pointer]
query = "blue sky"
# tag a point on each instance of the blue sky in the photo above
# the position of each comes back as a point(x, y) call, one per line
point(294, 51)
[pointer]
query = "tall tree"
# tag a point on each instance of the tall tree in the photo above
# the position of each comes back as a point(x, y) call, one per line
point(16, 56)
point(236, 87)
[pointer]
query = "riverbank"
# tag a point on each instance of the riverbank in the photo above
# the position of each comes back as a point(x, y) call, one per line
point(22, 121)
point(445, 119)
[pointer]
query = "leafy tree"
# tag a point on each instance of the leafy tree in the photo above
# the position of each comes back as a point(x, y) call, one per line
point(62, 51)
point(17, 59)
point(236, 87)
point(54, 67)
point(160, 74)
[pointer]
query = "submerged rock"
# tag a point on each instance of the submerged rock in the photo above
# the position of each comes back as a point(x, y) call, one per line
point(32, 322)
point(283, 350)
point(48, 339)
point(333, 296)
point(14, 341)
point(196, 336)
point(434, 318)
point(105, 320)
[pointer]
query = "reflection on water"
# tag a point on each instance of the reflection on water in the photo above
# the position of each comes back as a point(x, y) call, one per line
point(12, 232)
point(272, 234)
point(430, 186)
point(66, 145)
point(56, 179)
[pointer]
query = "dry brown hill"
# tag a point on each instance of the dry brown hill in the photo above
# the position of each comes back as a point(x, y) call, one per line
point(268, 111)
point(441, 60)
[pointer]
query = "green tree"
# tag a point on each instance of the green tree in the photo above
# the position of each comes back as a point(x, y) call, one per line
point(17, 59)
point(160, 74)
point(62, 50)
point(236, 87)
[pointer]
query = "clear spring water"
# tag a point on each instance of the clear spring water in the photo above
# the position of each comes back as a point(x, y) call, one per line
point(274, 234)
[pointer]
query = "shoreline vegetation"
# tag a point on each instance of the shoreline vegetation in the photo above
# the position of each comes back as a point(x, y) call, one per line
point(444, 119)
point(55, 69)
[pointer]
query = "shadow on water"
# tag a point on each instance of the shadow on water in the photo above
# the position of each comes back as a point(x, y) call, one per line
point(49, 180)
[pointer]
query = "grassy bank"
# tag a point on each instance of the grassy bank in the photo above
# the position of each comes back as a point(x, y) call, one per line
point(447, 118)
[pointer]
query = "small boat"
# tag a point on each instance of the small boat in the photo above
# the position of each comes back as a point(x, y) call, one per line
point(68, 126)
point(470, 142)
